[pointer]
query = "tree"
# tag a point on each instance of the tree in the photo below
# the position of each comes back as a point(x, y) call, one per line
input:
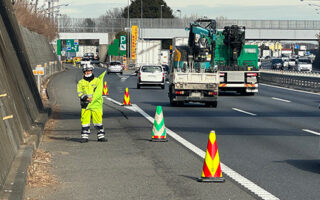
point(114, 13)
point(150, 9)
point(89, 24)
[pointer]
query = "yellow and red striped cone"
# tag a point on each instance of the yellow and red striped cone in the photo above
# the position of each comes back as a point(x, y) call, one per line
point(159, 129)
point(211, 168)
point(126, 98)
point(105, 91)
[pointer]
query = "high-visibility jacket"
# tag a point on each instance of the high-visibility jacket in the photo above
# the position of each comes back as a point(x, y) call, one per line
point(92, 89)
point(87, 88)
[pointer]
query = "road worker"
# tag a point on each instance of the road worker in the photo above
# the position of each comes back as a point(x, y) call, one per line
point(91, 103)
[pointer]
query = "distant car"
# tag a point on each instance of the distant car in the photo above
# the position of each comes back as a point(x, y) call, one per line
point(303, 64)
point(88, 56)
point(115, 67)
point(285, 62)
point(292, 63)
point(277, 63)
point(259, 63)
point(166, 71)
point(151, 75)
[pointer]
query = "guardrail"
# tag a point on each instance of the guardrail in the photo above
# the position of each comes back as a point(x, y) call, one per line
point(297, 80)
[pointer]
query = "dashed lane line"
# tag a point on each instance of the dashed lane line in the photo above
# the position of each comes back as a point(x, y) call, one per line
point(284, 100)
point(248, 113)
point(310, 131)
point(257, 190)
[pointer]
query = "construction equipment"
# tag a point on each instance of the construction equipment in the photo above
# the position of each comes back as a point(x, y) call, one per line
point(236, 61)
point(193, 76)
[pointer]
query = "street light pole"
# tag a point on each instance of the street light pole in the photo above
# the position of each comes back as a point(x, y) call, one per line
point(128, 39)
point(141, 10)
point(161, 14)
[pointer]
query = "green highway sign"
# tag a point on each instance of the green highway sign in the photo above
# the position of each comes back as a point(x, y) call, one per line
point(72, 45)
point(123, 45)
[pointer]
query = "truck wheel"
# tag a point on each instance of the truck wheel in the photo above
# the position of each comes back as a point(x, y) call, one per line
point(173, 103)
point(211, 104)
point(180, 103)
point(214, 104)
point(138, 86)
point(163, 86)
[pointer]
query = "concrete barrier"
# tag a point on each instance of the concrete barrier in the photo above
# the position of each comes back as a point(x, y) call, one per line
point(21, 108)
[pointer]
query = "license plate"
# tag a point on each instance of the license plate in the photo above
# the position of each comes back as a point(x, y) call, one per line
point(195, 94)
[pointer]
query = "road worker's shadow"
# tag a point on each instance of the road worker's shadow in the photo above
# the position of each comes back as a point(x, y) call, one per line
point(71, 139)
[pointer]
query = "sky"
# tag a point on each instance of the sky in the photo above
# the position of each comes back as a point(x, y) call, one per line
point(230, 9)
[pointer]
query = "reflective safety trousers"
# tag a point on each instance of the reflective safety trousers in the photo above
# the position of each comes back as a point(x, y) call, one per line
point(88, 88)
point(86, 116)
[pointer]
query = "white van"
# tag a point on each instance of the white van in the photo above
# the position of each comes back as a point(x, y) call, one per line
point(151, 75)
point(303, 64)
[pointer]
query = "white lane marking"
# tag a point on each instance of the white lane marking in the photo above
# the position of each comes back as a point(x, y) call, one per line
point(289, 89)
point(265, 195)
point(249, 113)
point(114, 101)
point(275, 98)
point(310, 131)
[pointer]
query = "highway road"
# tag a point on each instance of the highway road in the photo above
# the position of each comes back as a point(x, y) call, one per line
point(270, 138)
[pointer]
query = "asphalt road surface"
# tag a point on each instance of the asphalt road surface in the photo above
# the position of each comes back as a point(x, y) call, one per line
point(270, 138)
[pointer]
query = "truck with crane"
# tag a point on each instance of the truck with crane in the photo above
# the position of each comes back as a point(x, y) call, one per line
point(193, 76)
point(237, 62)
point(209, 61)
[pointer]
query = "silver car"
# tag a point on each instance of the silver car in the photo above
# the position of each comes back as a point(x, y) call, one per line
point(115, 67)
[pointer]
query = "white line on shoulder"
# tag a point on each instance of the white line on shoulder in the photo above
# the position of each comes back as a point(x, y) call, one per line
point(263, 194)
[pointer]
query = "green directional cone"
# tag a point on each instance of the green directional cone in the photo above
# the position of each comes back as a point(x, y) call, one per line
point(159, 129)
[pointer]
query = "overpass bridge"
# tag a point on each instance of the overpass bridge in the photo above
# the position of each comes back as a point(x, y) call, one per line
point(99, 28)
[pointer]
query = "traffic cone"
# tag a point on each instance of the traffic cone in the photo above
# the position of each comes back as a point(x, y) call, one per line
point(126, 98)
point(159, 129)
point(105, 89)
point(211, 168)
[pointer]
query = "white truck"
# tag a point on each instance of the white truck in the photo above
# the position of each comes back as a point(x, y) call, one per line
point(164, 57)
point(187, 84)
point(148, 52)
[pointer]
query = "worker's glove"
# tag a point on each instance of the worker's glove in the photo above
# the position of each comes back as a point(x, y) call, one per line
point(84, 101)
point(84, 97)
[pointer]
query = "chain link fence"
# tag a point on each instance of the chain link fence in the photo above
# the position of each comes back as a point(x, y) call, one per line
point(104, 25)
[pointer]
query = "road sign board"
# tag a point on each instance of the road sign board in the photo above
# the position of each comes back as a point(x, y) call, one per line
point(123, 42)
point(39, 70)
point(72, 45)
point(123, 47)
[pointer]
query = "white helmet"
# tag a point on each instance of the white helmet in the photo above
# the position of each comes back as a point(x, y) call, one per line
point(87, 67)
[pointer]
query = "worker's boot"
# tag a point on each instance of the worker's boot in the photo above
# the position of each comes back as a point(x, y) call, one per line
point(85, 133)
point(101, 133)
point(101, 137)
point(102, 140)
